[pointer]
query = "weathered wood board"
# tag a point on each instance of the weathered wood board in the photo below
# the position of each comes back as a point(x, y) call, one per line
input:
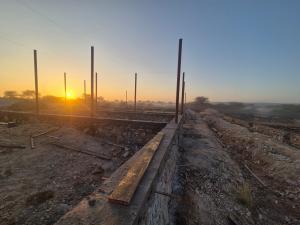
point(127, 186)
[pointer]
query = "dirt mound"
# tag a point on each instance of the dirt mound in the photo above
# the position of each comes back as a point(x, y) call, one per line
point(276, 165)
point(213, 188)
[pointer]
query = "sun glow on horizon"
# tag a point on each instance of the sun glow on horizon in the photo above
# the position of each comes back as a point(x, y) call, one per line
point(70, 95)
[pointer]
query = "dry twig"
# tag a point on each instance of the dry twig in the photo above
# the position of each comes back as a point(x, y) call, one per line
point(86, 152)
point(254, 175)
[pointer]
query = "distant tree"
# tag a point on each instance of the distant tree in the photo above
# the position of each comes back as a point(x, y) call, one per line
point(10, 94)
point(29, 94)
point(52, 99)
point(199, 103)
point(100, 99)
point(201, 100)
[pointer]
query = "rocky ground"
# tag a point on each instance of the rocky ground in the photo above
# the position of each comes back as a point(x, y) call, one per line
point(39, 185)
point(232, 175)
point(229, 173)
point(287, 133)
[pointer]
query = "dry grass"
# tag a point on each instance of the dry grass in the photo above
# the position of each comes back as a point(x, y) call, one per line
point(244, 195)
point(39, 198)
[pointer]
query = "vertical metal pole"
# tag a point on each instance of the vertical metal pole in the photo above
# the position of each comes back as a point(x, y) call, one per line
point(92, 81)
point(135, 81)
point(182, 94)
point(65, 80)
point(178, 79)
point(126, 98)
point(96, 91)
point(37, 110)
point(84, 91)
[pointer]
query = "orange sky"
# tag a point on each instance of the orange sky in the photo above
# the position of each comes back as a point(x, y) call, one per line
point(232, 51)
point(112, 83)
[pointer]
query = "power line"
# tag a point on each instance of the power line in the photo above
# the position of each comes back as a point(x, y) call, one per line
point(25, 46)
point(16, 43)
point(53, 22)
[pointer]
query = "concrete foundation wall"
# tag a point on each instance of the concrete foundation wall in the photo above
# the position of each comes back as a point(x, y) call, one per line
point(152, 197)
point(157, 209)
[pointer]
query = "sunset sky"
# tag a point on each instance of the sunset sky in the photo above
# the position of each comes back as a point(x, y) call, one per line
point(233, 50)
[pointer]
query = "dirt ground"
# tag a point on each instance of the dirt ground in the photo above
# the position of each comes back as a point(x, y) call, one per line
point(287, 133)
point(231, 175)
point(38, 186)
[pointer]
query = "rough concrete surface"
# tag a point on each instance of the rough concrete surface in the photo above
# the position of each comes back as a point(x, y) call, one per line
point(210, 179)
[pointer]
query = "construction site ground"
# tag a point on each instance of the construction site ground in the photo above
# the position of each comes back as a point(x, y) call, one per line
point(39, 185)
point(229, 174)
point(229, 171)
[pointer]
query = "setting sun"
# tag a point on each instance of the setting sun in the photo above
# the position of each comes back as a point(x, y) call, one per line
point(70, 95)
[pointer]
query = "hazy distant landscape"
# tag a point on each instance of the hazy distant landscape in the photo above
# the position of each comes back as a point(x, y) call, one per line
point(269, 111)
point(264, 111)
point(54, 104)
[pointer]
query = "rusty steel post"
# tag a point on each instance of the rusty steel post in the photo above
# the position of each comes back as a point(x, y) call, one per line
point(92, 81)
point(178, 79)
point(135, 81)
point(126, 98)
point(182, 94)
point(37, 109)
point(84, 88)
point(65, 82)
point(96, 91)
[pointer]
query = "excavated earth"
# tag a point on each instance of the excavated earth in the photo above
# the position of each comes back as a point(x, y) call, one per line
point(39, 185)
point(229, 174)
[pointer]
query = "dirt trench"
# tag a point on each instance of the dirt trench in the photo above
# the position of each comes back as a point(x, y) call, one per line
point(216, 188)
point(211, 181)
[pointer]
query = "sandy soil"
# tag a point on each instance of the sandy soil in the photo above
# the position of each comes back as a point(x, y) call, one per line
point(288, 133)
point(38, 186)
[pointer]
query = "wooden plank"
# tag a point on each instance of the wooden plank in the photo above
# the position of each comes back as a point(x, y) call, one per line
point(127, 186)
point(12, 146)
point(45, 132)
